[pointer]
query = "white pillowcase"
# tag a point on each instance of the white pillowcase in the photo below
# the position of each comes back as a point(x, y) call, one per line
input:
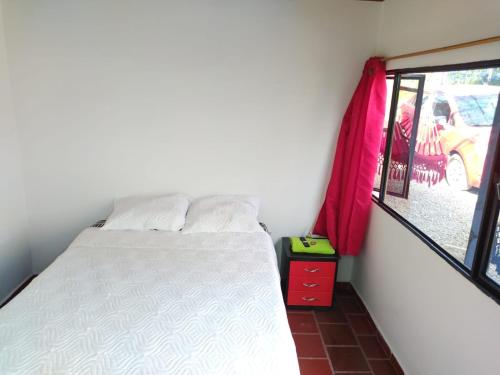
point(166, 212)
point(223, 213)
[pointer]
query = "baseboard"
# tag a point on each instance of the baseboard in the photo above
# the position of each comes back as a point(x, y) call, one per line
point(17, 290)
point(396, 364)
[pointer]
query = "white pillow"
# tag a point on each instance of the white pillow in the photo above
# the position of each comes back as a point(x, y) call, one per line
point(166, 212)
point(223, 213)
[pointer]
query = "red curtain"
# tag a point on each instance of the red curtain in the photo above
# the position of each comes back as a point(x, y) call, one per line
point(343, 218)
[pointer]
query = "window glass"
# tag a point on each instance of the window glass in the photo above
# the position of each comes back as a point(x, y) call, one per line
point(477, 110)
point(450, 146)
point(398, 175)
point(441, 108)
point(493, 270)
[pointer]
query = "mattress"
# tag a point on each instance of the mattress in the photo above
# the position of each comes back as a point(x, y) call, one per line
point(125, 302)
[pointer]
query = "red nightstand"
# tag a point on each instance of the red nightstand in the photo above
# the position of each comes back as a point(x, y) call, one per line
point(308, 280)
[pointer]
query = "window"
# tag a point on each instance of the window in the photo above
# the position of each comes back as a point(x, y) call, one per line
point(494, 259)
point(439, 163)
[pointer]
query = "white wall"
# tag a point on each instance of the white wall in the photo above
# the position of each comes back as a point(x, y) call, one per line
point(15, 260)
point(409, 26)
point(125, 97)
point(432, 317)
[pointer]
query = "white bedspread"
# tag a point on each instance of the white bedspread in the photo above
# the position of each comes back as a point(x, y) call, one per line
point(124, 302)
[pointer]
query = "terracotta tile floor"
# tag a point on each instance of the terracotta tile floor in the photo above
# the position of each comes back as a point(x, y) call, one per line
point(342, 341)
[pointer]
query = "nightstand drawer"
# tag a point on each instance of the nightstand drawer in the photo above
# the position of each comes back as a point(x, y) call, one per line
point(300, 268)
point(309, 298)
point(310, 283)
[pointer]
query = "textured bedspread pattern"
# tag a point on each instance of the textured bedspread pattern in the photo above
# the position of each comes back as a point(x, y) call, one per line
point(124, 302)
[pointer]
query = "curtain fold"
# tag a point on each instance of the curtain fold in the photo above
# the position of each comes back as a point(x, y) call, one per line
point(344, 216)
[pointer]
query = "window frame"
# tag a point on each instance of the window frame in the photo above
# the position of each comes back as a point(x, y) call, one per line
point(396, 90)
point(484, 222)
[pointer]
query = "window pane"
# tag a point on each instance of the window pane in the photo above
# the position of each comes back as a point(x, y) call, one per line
point(397, 174)
point(452, 138)
point(493, 271)
point(376, 183)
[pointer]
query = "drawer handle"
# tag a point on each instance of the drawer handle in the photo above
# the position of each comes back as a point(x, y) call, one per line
point(312, 270)
point(310, 285)
point(310, 299)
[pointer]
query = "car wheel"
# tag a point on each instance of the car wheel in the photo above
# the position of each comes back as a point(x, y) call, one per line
point(456, 174)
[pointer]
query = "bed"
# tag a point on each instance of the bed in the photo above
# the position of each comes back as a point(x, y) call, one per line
point(131, 302)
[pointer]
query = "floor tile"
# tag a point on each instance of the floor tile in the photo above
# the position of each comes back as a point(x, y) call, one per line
point(372, 347)
point(384, 345)
point(344, 289)
point(353, 343)
point(302, 323)
point(382, 367)
point(396, 366)
point(362, 325)
point(314, 367)
point(337, 334)
point(347, 358)
point(309, 346)
point(334, 316)
point(350, 305)
point(298, 311)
